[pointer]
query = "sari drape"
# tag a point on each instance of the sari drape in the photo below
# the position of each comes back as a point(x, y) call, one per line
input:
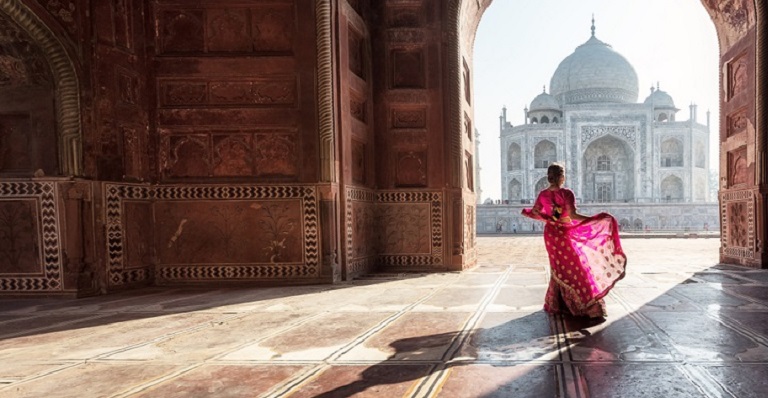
point(585, 257)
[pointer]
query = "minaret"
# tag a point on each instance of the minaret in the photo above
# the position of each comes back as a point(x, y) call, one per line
point(478, 190)
point(525, 111)
point(708, 121)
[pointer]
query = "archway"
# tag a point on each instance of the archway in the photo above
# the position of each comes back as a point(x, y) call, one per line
point(544, 154)
point(671, 189)
point(62, 70)
point(740, 28)
point(609, 170)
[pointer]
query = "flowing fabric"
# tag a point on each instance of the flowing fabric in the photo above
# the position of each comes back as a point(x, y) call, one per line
point(586, 257)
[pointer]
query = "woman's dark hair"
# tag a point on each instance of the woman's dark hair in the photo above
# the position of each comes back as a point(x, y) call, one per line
point(554, 172)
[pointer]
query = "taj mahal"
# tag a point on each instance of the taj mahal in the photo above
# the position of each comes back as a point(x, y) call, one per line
point(636, 160)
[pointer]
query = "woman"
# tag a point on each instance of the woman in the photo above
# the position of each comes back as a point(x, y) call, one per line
point(584, 252)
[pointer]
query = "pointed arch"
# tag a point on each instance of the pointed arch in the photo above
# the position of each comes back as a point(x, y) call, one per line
point(67, 85)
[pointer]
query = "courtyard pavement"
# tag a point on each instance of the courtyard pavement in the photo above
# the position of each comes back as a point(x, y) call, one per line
point(679, 325)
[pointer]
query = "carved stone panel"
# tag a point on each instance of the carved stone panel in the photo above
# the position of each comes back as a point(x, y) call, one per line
point(267, 28)
point(358, 162)
point(211, 232)
point(15, 143)
point(405, 17)
point(409, 118)
point(19, 240)
point(181, 31)
point(404, 228)
point(188, 156)
point(737, 75)
point(737, 167)
point(357, 108)
point(411, 169)
point(738, 224)
point(138, 234)
point(356, 48)
point(276, 155)
point(30, 253)
point(232, 155)
point(278, 91)
point(734, 17)
point(408, 69)
point(469, 170)
point(410, 228)
point(227, 30)
point(737, 122)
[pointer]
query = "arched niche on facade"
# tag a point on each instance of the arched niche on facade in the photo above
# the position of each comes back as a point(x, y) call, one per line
point(40, 98)
point(514, 157)
point(544, 154)
point(544, 119)
point(542, 184)
point(671, 189)
point(515, 190)
point(671, 152)
point(608, 170)
point(700, 154)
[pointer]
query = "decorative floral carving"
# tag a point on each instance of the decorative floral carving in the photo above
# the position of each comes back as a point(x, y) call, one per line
point(738, 224)
point(737, 122)
point(737, 76)
point(22, 62)
point(227, 31)
point(589, 133)
point(278, 225)
point(411, 169)
point(232, 156)
point(409, 118)
point(183, 93)
point(276, 155)
point(182, 31)
point(404, 228)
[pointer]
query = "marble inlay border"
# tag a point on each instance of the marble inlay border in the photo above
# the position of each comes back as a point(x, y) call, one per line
point(119, 275)
point(44, 194)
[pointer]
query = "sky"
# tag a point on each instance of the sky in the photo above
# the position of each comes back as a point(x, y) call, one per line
point(520, 43)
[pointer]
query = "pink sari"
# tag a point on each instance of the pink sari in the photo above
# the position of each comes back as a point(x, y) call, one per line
point(585, 257)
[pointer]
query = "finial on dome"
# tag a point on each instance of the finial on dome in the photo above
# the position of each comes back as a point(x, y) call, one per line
point(544, 89)
point(657, 86)
point(593, 25)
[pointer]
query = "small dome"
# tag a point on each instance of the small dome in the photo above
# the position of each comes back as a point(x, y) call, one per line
point(595, 72)
point(660, 99)
point(544, 102)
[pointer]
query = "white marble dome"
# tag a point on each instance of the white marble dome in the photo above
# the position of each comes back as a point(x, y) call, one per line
point(594, 73)
point(544, 102)
point(660, 99)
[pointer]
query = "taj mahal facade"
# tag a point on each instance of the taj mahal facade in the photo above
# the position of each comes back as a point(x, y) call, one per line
point(635, 160)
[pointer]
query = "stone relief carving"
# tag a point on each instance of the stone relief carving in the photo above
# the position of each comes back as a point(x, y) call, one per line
point(404, 228)
point(227, 31)
point(737, 76)
point(205, 233)
point(738, 224)
point(22, 61)
point(358, 162)
point(737, 166)
point(19, 242)
point(29, 237)
point(266, 28)
point(357, 108)
point(232, 155)
point(183, 93)
point(182, 31)
point(65, 11)
point(409, 118)
point(127, 87)
point(407, 69)
point(411, 169)
point(355, 43)
point(189, 156)
point(404, 17)
point(276, 155)
point(589, 133)
point(273, 28)
point(732, 17)
point(123, 24)
point(737, 122)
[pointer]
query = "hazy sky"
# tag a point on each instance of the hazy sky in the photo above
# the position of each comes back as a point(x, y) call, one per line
point(520, 43)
